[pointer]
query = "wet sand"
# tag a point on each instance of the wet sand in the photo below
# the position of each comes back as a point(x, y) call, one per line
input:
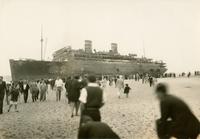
point(131, 118)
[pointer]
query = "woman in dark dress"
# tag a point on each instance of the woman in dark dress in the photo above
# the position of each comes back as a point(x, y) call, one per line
point(74, 94)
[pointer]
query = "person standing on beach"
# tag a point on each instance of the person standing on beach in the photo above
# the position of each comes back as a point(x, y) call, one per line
point(151, 82)
point(92, 99)
point(177, 120)
point(43, 90)
point(34, 91)
point(143, 78)
point(25, 90)
point(115, 80)
point(74, 94)
point(189, 74)
point(2, 93)
point(8, 89)
point(59, 86)
point(14, 97)
point(68, 84)
point(20, 86)
point(120, 86)
point(104, 83)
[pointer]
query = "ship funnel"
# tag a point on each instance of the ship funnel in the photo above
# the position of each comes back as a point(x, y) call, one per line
point(114, 48)
point(88, 46)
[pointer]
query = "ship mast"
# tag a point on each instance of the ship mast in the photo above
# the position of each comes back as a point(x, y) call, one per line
point(143, 48)
point(41, 41)
point(45, 48)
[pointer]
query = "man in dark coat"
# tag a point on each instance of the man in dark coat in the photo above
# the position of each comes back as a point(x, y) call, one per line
point(25, 91)
point(68, 88)
point(2, 93)
point(177, 120)
point(90, 129)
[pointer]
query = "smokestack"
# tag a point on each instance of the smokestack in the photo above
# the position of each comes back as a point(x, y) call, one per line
point(114, 48)
point(88, 46)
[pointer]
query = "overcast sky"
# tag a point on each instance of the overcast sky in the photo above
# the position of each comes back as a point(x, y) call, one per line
point(170, 29)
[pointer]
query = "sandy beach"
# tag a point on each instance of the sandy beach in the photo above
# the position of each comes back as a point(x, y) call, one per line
point(130, 118)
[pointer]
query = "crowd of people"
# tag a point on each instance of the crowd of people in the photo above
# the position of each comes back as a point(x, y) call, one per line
point(39, 89)
point(183, 74)
point(86, 94)
point(15, 91)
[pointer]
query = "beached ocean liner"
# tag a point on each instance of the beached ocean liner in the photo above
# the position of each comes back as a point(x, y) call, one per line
point(68, 61)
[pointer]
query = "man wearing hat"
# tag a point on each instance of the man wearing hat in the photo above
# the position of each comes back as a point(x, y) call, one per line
point(2, 93)
point(177, 120)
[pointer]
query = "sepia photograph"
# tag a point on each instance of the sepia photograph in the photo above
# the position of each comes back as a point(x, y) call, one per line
point(99, 69)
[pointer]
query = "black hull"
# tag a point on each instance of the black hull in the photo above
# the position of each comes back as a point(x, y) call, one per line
point(34, 70)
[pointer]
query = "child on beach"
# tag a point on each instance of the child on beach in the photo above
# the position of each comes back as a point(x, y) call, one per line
point(127, 90)
point(14, 97)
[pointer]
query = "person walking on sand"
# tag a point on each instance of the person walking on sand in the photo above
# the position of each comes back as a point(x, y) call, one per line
point(68, 84)
point(34, 91)
point(74, 94)
point(189, 74)
point(14, 97)
point(151, 81)
point(8, 89)
point(2, 93)
point(127, 90)
point(59, 86)
point(92, 99)
point(38, 86)
point(43, 90)
point(120, 86)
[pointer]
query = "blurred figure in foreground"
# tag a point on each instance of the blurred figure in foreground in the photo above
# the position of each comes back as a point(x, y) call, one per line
point(90, 129)
point(2, 93)
point(177, 120)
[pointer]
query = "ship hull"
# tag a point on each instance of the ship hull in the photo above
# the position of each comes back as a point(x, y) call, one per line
point(34, 70)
